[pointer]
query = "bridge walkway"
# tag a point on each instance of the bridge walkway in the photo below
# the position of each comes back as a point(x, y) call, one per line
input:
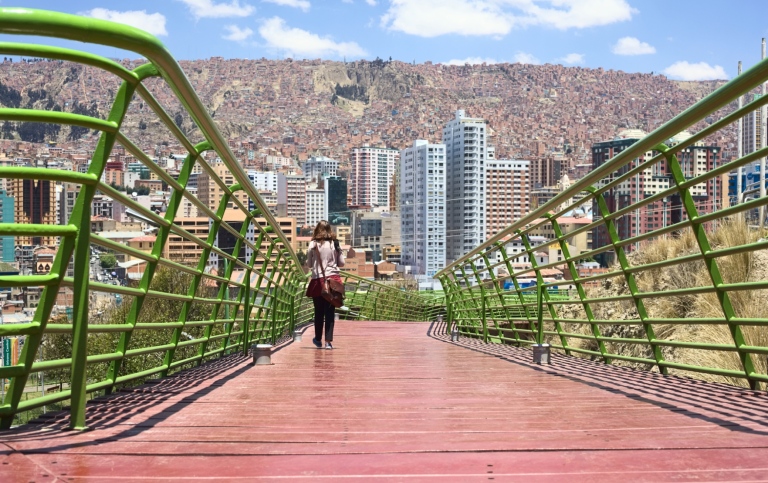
point(400, 401)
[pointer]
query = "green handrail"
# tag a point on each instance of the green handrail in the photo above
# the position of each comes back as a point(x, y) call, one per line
point(650, 307)
point(181, 312)
point(180, 336)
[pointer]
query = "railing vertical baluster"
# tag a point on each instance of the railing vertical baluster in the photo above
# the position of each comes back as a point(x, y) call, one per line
point(184, 174)
point(82, 215)
point(545, 293)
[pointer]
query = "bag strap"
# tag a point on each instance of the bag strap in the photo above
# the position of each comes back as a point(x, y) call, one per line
point(319, 260)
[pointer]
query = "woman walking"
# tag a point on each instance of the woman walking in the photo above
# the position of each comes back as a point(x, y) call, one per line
point(324, 257)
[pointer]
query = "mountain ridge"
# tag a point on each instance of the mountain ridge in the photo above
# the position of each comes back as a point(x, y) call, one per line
point(297, 108)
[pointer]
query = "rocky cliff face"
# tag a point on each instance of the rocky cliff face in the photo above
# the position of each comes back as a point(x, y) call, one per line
point(381, 80)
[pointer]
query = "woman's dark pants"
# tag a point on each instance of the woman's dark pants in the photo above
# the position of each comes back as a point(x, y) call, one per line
point(324, 311)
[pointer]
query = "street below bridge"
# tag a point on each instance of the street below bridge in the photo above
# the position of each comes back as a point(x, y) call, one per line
point(399, 401)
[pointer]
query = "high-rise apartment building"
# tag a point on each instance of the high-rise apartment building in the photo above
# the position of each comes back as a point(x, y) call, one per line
point(210, 193)
point(291, 197)
point(187, 252)
point(315, 205)
point(509, 193)
point(466, 147)
point(186, 209)
point(752, 134)
point(318, 166)
point(375, 230)
point(545, 172)
point(6, 216)
point(266, 184)
point(34, 203)
point(422, 207)
point(371, 175)
point(752, 129)
point(694, 160)
point(67, 197)
point(336, 200)
point(263, 180)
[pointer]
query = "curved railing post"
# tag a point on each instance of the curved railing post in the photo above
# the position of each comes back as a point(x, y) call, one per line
point(173, 207)
point(82, 215)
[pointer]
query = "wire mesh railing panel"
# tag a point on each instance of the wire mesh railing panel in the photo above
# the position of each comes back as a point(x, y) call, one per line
point(205, 272)
point(653, 260)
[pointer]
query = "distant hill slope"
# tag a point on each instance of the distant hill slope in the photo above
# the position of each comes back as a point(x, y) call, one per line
point(305, 106)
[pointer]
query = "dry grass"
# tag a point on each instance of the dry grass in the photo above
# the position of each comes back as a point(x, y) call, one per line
point(744, 267)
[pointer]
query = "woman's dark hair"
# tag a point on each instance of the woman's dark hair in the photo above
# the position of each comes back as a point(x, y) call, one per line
point(323, 231)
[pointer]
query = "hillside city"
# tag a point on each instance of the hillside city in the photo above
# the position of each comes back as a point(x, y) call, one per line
point(413, 164)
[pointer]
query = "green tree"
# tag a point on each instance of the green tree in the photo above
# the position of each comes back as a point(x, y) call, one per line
point(302, 257)
point(107, 260)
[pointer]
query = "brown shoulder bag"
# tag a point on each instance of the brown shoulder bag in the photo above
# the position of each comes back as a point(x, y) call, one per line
point(333, 290)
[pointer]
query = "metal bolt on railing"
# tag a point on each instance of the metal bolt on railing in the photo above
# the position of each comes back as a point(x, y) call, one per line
point(262, 354)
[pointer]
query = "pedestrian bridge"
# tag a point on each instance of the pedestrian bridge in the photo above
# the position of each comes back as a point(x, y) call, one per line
point(665, 349)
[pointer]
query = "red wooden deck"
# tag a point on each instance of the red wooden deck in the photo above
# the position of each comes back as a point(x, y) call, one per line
point(395, 402)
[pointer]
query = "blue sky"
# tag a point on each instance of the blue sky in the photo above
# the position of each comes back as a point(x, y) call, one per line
point(684, 39)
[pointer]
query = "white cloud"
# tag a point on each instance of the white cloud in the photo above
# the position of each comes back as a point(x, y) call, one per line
point(210, 9)
point(577, 13)
point(372, 3)
point(432, 18)
point(572, 59)
point(495, 18)
point(471, 61)
point(695, 72)
point(236, 34)
point(153, 23)
point(301, 4)
point(525, 58)
point(293, 42)
point(632, 46)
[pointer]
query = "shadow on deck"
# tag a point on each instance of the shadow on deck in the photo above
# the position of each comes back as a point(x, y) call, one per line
point(398, 400)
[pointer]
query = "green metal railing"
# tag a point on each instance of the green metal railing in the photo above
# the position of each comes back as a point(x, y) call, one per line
point(370, 300)
point(211, 313)
point(178, 313)
point(683, 285)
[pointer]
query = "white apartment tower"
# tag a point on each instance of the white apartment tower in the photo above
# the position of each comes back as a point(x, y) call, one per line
point(319, 166)
point(752, 134)
point(371, 177)
point(291, 197)
point(422, 207)
point(315, 205)
point(465, 153)
point(263, 180)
